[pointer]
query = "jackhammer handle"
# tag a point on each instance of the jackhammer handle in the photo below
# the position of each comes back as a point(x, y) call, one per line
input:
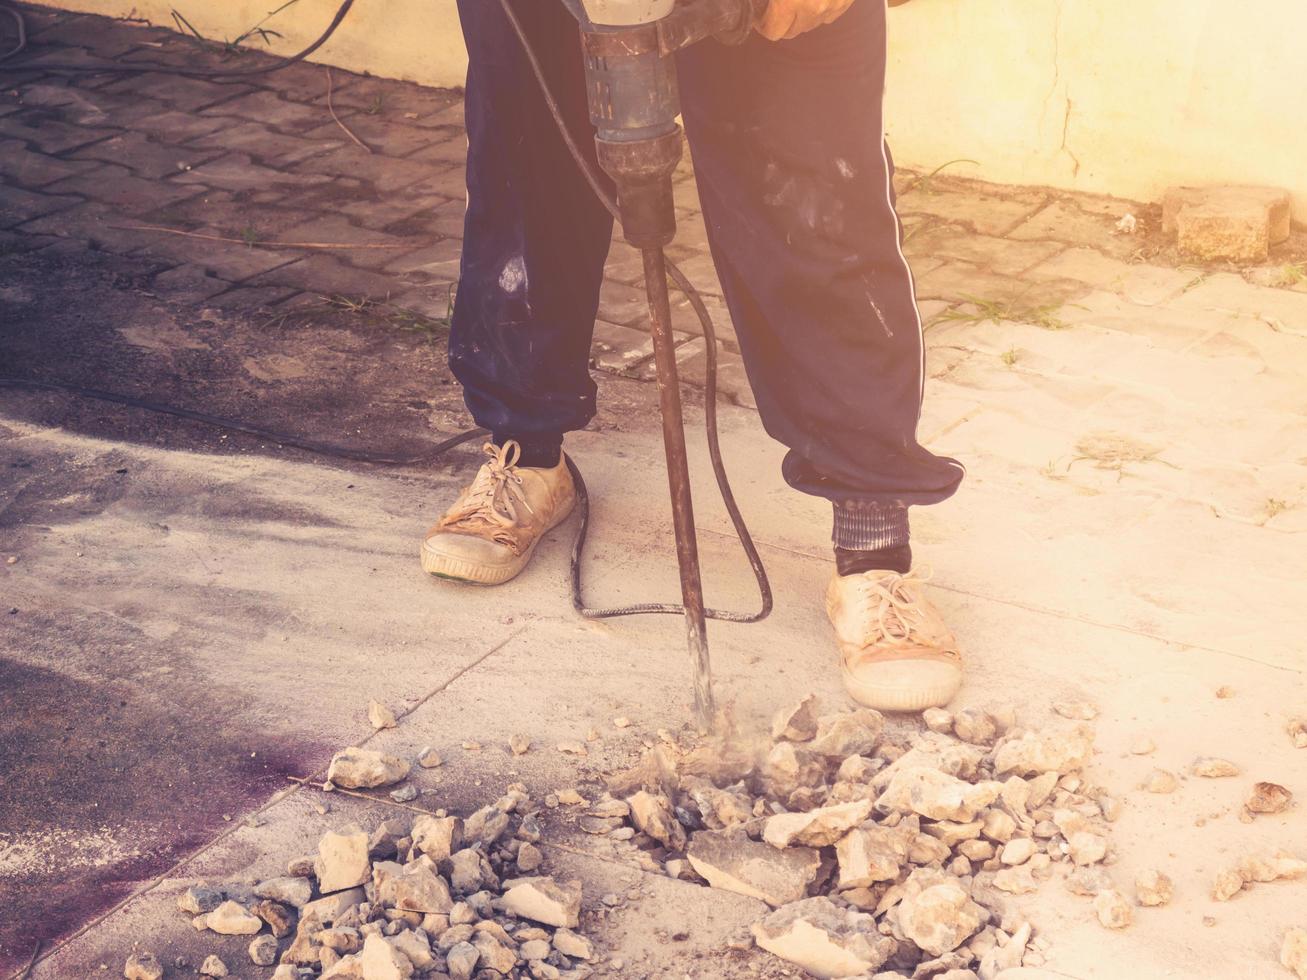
point(729, 21)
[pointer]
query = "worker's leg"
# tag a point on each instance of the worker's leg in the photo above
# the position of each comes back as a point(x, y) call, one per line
point(533, 256)
point(535, 237)
point(794, 175)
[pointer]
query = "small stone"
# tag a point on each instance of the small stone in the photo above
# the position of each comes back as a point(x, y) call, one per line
point(998, 826)
point(848, 733)
point(213, 967)
point(1293, 952)
point(975, 726)
point(936, 795)
point(820, 937)
point(572, 944)
point(143, 966)
point(797, 723)
point(461, 961)
point(1160, 781)
point(519, 744)
point(622, 722)
point(437, 837)
point(570, 797)
point(197, 900)
point(289, 890)
point(1143, 746)
point(529, 857)
point(363, 769)
point(1060, 749)
point(379, 716)
point(1153, 888)
point(652, 814)
point(279, 918)
point(343, 860)
point(1088, 881)
point(471, 745)
point(936, 912)
point(263, 950)
point(534, 949)
point(413, 887)
point(495, 955)
point(734, 863)
point(938, 720)
point(382, 961)
point(1213, 768)
point(542, 899)
point(233, 919)
point(573, 748)
point(429, 758)
point(1268, 798)
point(1017, 851)
point(1017, 881)
point(405, 794)
point(485, 826)
point(1076, 710)
point(821, 827)
point(1112, 909)
point(1228, 883)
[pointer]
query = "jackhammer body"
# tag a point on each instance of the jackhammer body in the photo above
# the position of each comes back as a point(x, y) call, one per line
point(629, 48)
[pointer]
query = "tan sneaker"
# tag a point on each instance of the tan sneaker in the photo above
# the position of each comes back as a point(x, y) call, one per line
point(489, 534)
point(898, 654)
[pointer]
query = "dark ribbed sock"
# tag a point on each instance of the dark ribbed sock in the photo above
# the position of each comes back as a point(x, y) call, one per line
point(895, 559)
point(539, 450)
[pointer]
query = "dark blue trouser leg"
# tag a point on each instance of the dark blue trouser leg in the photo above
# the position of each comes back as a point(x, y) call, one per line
point(794, 175)
point(535, 238)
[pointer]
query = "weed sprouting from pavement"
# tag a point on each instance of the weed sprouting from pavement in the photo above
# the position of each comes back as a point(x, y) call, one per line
point(1292, 273)
point(231, 46)
point(374, 107)
point(1010, 357)
point(371, 311)
point(1274, 506)
point(1010, 309)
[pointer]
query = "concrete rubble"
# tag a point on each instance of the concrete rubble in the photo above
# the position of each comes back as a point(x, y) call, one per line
point(883, 855)
point(364, 769)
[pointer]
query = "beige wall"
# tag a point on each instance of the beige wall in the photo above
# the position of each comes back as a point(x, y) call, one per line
point(1116, 96)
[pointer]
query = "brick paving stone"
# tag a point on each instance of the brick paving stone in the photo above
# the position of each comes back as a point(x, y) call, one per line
point(401, 102)
point(449, 183)
point(116, 186)
point(1283, 309)
point(50, 135)
point(437, 263)
point(732, 381)
point(405, 208)
point(384, 174)
point(238, 172)
point(271, 110)
point(384, 136)
point(1001, 255)
point(231, 262)
point(622, 349)
point(265, 144)
point(623, 304)
point(175, 127)
point(18, 242)
point(329, 276)
point(686, 320)
point(189, 95)
point(90, 222)
point(1062, 221)
point(987, 213)
point(252, 297)
point(435, 302)
point(187, 283)
point(338, 228)
point(1144, 284)
point(108, 40)
point(688, 352)
point(31, 170)
point(624, 263)
point(697, 265)
point(1161, 325)
point(18, 205)
point(447, 151)
point(956, 281)
point(144, 156)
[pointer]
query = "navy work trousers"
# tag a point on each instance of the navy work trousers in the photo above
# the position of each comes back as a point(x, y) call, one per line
point(794, 178)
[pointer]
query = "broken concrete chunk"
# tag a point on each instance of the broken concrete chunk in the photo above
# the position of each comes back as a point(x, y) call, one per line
point(1228, 883)
point(1268, 798)
point(652, 814)
point(870, 854)
point(937, 913)
point(1297, 729)
point(233, 919)
point(342, 859)
point(1160, 781)
point(975, 726)
point(820, 937)
point(1076, 710)
point(494, 954)
point(936, 795)
point(437, 837)
point(1293, 953)
point(542, 899)
point(1017, 851)
point(1271, 867)
point(363, 769)
point(1212, 768)
point(1017, 881)
point(572, 944)
point(821, 827)
point(280, 918)
point(1059, 749)
point(1088, 881)
point(938, 720)
point(411, 888)
point(296, 892)
point(197, 900)
point(213, 967)
point(461, 961)
point(328, 909)
point(379, 716)
point(263, 950)
point(1227, 222)
point(414, 945)
point(429, 758)
point(143, 966)
point(1112, 909)
point(734, 863)
point(848, 733)
point(382, 961)
point(797, 723)
point(1152, 888)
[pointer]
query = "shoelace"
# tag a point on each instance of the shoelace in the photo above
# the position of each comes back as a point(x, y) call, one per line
point(891, 607)
point(494, 495)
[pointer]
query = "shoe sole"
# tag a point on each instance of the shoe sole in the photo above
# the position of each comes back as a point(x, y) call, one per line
point(477, 573)
point(908, 685)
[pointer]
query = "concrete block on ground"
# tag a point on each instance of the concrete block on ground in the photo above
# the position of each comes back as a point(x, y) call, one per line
point(1239, 223)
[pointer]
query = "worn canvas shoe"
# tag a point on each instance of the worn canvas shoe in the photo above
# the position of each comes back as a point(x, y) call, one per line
point(489, 534)
point(897, 653)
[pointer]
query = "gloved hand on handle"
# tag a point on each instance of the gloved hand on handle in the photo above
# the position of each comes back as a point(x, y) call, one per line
point(786, 19)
